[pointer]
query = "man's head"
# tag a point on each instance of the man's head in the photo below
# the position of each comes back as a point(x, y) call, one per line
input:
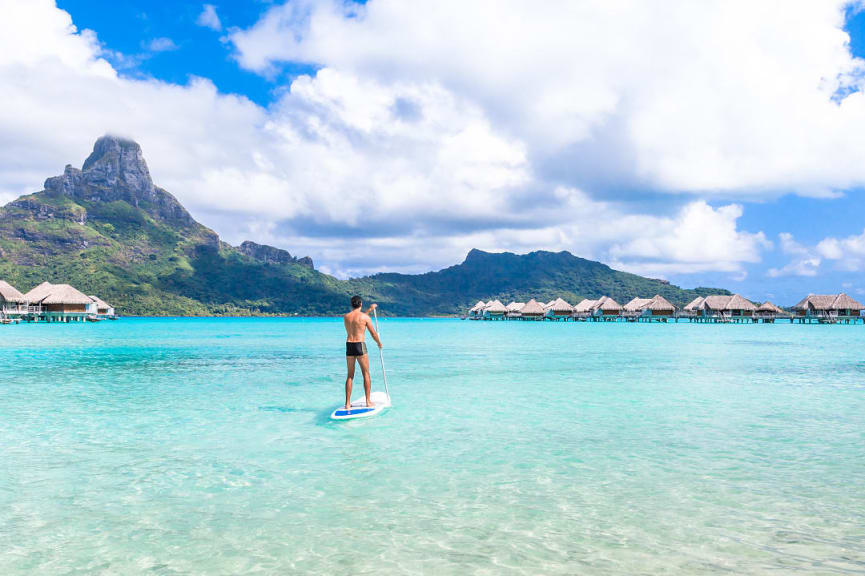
point(356, 302)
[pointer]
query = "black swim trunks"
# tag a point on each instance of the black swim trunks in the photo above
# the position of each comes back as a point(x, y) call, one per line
point(355, 348)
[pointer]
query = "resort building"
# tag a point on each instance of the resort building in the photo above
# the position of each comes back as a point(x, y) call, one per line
point(558, 309)
point(12, 303)
point(514, 309)
point(533, 310)
point(583, 309)
point(725, 308)
point(61, 303)
point(495, 311)
point(103, 309)
point(768, 312)
point(605, 309)
point(477, 310)
point(828, 308)
point(657, 308)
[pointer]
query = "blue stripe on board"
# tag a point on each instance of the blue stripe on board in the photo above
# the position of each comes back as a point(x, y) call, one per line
point(350, 412)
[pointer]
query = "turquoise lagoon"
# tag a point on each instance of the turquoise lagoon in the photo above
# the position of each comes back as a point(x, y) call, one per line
point(203, 446)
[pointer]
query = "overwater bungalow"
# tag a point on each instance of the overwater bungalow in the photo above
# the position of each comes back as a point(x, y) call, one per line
point(828, 308)
point(477, 310)
point(656, 308)
point(606, 309)
point(768, 312)
point(514, 309)
point(725, 308)
point(693, 308)
point(583, 309)
point(103, 309)
point(495, 311)
point(61, 303)
point(559, 310)
point(533, 310)
point(10, 297)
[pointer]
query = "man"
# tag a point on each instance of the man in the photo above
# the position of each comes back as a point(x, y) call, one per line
point(356, 324)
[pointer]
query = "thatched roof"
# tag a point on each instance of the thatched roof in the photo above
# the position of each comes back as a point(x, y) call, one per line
point(607, 304)
point(738, 303)
point(100, 303)
point(532, 308)
point(715, 302)
point(844, 302)
point(828, 302)
point(637, 304)
point(47, 293)
point(661, 304)
point(478, 307)
point(769, 307)
point(584, 305)
point(515, 306)
point(695, 304)
point(496, 307)
point(560, 306)
point(10, 294)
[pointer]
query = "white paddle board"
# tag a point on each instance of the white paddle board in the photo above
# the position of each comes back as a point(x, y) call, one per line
point(359, 408)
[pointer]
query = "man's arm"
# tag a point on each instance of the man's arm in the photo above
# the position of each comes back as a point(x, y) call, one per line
point(372, 331)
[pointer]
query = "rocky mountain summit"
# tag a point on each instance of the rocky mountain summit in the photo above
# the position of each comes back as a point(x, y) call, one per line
point(116, 171)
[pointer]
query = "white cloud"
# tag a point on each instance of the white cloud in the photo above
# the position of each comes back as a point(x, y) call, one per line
point(848, 253)
point(209, 18)
point(699, 238)
point(713, 98)
point(804, 263)
point(162, 44)
point(416, 164)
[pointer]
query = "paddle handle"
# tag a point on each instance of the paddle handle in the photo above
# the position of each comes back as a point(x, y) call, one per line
point(381, 356)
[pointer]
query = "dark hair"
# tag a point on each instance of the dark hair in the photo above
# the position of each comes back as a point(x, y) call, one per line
point(356, 302)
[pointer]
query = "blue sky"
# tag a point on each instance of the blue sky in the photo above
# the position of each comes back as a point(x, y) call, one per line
point(717, 145)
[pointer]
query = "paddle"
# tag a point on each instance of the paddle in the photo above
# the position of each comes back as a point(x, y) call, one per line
point(381, 357)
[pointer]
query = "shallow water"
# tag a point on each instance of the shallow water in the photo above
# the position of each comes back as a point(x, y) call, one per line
point(203, 446)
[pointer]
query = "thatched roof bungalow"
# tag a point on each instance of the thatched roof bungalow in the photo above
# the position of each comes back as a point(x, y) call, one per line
point(10, 295)
point(828, 305)
point(694, 306)
point(636, 305)
point(477, 309)
point(583, 309)
point(726, 306)
point(514, 308)
point(606, 306)
point(495, 310)
point(655, 306)
point(102, 307)
point(532, 310)
point(62, 299)
point(558, 309)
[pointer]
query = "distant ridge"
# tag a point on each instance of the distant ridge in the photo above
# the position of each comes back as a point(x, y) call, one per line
point(107, 229)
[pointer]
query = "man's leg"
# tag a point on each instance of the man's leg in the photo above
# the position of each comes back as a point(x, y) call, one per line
point(349, 360)
point(367, 381)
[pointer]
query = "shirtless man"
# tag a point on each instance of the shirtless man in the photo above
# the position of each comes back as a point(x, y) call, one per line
point(356, 324)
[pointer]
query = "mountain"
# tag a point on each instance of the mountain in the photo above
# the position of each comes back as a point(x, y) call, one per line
point(108, 230)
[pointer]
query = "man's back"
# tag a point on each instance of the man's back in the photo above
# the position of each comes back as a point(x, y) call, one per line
point(355, 326)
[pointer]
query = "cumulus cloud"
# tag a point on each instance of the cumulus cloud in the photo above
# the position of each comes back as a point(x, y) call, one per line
point(713, 98)
point(408, 152)
point(848, 253)
point(162, 44)
point(209, 18)
point(804, 263)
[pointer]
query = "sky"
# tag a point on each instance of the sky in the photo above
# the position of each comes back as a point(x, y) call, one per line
point(707, 143)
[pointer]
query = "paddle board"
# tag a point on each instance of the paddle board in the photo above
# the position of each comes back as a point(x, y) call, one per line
point(359, 409)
